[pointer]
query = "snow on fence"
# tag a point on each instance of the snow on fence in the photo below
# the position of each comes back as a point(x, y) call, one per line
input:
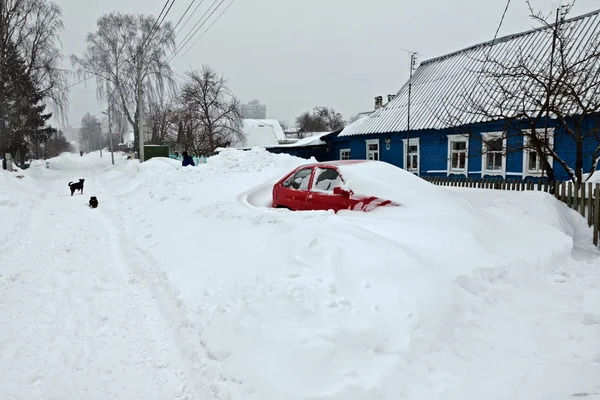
point(583, 198)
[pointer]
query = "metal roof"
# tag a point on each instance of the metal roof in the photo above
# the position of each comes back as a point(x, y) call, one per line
point(444, 88)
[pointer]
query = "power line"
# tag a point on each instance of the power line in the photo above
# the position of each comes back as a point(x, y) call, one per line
point(188, 19)
point(78, 82)
point(160, 23)
point(207, 29)
point(191, 15)
point(155, 23)
point(199, 27)
point(501, 22)
point(164, 40)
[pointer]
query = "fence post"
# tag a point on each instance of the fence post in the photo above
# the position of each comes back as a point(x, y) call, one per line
point(590, 204)
point(596, 213)
point(582, 205)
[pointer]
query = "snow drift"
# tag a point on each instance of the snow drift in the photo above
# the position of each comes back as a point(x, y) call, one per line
point(444, 297)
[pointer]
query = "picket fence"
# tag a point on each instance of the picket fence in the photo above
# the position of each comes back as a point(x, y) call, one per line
point(583, 198)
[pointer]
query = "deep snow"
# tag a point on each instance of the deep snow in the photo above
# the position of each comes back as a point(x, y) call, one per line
point(183, 284)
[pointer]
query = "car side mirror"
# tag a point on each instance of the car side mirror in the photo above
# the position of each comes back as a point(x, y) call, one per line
point(341, 192)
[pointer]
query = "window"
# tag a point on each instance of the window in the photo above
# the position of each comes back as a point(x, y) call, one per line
point(345, 154)
point(532, 162)
point(458, 153)
point(372, 149)
point(493, 159)
point(414, 155)
point(299, 180)
point(326, 179)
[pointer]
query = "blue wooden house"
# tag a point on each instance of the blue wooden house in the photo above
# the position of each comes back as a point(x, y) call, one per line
point(447, 140)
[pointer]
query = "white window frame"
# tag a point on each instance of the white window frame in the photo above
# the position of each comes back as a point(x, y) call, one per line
point(412, 142)
point(452, 139)
point(526, 151)
point(349, 151)
point(485, 136)
point(373, 141)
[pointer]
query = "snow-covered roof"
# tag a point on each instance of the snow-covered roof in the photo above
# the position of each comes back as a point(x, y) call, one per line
point(261, 132)
point(441, 85)
point(314, 140)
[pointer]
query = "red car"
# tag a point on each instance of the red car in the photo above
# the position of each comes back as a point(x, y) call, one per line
point(319, 186)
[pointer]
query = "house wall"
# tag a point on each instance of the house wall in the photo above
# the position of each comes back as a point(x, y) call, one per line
point(433, 147)
point(320, 153)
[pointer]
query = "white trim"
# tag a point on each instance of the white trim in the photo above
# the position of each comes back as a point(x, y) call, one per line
point(441, 171)
point(487, 136)
point(458, 138)
point(526, 150)
point(345, 150)
point(412, 142)
point(373, 141)
point(514, 173)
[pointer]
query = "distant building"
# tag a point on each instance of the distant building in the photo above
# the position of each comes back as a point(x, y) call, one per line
point(257, 133)
point(254, 110)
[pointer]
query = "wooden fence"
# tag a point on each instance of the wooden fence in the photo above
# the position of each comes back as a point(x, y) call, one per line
point(583, 198)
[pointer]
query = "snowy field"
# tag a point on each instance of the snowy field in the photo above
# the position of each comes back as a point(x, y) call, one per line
point(184, 285)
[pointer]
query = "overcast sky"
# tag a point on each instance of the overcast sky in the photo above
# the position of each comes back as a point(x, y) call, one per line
point(293, 55)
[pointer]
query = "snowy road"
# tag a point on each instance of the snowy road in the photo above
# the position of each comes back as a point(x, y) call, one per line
point(71, 312)
point(181, 285)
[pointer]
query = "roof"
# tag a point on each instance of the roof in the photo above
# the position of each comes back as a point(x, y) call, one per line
point(314, 140)
point(441, 85)
point(261, 132)
point(337, 163)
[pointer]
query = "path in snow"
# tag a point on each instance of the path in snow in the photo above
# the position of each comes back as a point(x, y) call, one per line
point(73, 323)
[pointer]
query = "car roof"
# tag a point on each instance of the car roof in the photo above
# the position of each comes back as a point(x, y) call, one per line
point(335, 163)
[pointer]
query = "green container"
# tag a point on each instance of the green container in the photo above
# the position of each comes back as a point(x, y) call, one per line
point(152, 150)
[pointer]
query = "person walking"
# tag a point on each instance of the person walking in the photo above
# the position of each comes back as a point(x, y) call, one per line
point(187, 160)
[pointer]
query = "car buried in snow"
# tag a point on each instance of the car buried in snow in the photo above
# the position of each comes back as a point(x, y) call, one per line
point(332, 186)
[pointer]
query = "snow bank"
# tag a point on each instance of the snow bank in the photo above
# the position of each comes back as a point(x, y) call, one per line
point(332, 306)
point(452, 295)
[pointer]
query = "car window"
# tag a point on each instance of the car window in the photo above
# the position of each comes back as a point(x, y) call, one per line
point(326, 179)
point(299, 180)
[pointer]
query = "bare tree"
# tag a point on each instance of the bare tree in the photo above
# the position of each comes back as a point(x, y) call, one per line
point(113, 52)
point(536, 91)
point(30, 77)
point(90, 133)
point(211, 117)
point(33, 26)
point(162, 120)
point(320, 119)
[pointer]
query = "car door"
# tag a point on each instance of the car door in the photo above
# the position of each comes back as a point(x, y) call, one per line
point(321, 196)
point(294, 190)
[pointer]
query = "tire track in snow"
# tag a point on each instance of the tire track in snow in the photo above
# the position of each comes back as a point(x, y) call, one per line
point(155, 288)
point(53, 305)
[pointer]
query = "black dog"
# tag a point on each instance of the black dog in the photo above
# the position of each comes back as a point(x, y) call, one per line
point(76, 186)
point(93, 202)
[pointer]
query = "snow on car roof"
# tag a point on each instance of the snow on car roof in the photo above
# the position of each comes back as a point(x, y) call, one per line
point(386, 181)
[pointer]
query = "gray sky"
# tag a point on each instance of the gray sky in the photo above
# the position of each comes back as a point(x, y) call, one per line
point(293, 55)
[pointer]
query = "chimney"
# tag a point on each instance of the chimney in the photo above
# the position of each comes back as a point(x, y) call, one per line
point(378, 102)
point(391, 97)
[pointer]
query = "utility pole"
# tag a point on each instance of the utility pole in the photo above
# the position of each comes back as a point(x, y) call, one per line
point(112, 154)
point(99, 137)
point(550, 77)
point(140, 104)
point(3, 42)
point(412, 67)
